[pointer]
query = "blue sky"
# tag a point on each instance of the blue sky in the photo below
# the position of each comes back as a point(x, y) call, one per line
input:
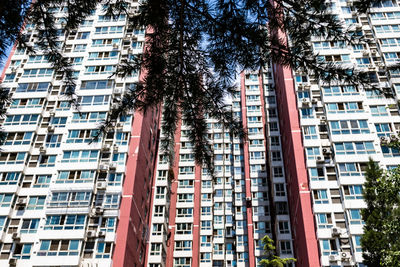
point(4, 60)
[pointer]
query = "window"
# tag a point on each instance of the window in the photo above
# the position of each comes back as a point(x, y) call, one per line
point(3, 220)
point(83, 176)
point(160, 192)
point(383, 129)
point(378, 111)
point(53, 140)
point(12, 158)
point(32, 87)
point(346, 107)
point(184, 212)
point(307, 113)
point(351, 148)
point(9, 178)
point(97, 85)
point(22, 251)
point(186, 170)
point(283, 227)
point(29, 226)
point(104, 250)
point(317, 174)
point(310, 132)
point(320, 196)
point(183, 245)
point(183, 228)
point(312, 153)
point(86, 117)
point(329, 247)
point(18, 138)
point(42, 181)
point(34, 73)
point(65, 222)
point(355, 216)
point(353, 191)
point(185, 183)
point(82, 136)
point(105, 42)
point(159, 211)
point(205, 225)
point(103, 55)
point(185, 197)
point(27, 103)
point(109, 30)
point(94, 100)
point(155, 249)
point(349, 127)
point(36, 202)
point(82, 35)
point(280, 190)
point(357, 243)
point(6, 200)
point(157, 229)
point(111, 201)
point(70, 199)
point(285, 247)
point(182, 262)
point(80, 156)
point(28, 119)
point(324, 220)
point(80, 48)
point(59, 122)
point(351, 169)
point(59, 248)
point(104, 69)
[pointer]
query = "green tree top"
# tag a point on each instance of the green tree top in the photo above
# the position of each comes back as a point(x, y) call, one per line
point(271, 259)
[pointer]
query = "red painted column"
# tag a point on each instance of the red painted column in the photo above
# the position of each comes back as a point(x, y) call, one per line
point(196, 217)
point(249, 211)
point(173, 198)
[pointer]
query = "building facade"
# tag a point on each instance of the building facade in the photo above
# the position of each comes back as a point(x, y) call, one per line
point(64, 200)
point(297, 176)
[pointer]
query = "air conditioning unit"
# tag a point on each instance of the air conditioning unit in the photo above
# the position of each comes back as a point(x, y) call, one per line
point(115, 45)
point(106, 147)
point(307, 87)
point(305, 102)
point(91, 233)
point(333, 258)
point(42, 149)
point(12, 262)
point(393, 137)
point(98, 210)
point(323, 118)
point(320, 159)
point(16, 236)
point(345, 255)
point(248, 198)
point(103, 167)
point(115, 148)
point(101, 185)
point(52, 112)
point(335, 231)
point(300, 86)
point(51, 128)
point(117, 91)
point(22, 201)
point(384, 139)
point(365, 52)
point(113, 165)
point(374, 51)
point(102, 233)
point(326, 151)
point(314, 101)
point(13, 69)
point(371, 67)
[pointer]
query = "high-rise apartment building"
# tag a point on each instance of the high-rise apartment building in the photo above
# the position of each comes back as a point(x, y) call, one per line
point(309, 163)
point(63, 200)
point(297, 176)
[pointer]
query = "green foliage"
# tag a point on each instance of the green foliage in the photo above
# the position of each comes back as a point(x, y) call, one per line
point(271, 260)
point(194, 51)
point(380, 242)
